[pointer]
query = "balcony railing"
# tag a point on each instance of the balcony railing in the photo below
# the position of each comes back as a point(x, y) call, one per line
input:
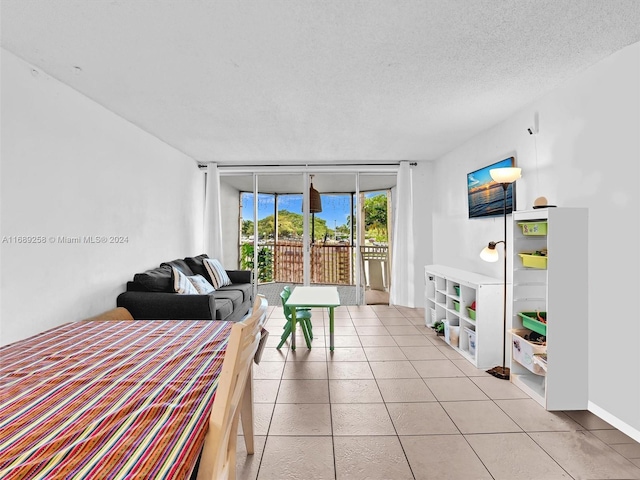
point(332, 264)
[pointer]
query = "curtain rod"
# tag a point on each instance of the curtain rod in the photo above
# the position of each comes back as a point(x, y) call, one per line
point(322, 166)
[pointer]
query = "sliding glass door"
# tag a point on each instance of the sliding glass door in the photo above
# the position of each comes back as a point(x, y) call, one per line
point(374, 232)
point(313, 228)
point(332, 237)
point(286, 223)
point(272, 224)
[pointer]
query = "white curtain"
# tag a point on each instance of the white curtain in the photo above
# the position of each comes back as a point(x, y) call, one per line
point(213, 214)
point(402, 290)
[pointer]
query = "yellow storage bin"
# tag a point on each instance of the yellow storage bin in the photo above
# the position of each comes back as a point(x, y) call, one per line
point(533, 261)
point(533, 228)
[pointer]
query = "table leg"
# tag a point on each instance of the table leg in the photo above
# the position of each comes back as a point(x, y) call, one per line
point(293, 328)
point(331, 329)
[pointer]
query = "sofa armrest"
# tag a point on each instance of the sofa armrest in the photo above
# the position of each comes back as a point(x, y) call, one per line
point(167, 306)
point(239, 276)
point(135, 287)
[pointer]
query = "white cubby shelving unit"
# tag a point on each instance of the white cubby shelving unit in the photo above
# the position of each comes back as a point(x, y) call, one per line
point(560, 290)
point(487, 292)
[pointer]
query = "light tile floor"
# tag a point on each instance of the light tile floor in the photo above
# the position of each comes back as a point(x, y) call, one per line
point(393, 401)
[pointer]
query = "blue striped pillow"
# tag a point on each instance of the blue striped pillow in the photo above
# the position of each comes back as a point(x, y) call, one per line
point(217, 273)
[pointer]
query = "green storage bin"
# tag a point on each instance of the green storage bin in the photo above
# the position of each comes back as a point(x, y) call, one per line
point(533, 261)
point(472, 313)
point(533, 228)
point(530, 321)
point(457, 289)
point(456, 305)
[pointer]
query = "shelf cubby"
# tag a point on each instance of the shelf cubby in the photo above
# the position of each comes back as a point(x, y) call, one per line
point(486, 292)
point(560, 290)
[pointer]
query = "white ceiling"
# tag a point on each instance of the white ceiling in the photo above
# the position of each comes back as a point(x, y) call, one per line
point(309, 81)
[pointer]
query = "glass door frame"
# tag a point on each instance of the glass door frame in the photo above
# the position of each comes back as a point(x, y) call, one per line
point(305, 222)
point(306, 172)
point(306, 226)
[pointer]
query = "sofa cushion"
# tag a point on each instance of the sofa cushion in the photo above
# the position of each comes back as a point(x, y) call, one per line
point(234, 296)
point(245, 288)
point(201, 285)
point(182, 283)
point(217, 273)
point(224, 308)
point(196, 264)
point(155, 280)
point(180, 264)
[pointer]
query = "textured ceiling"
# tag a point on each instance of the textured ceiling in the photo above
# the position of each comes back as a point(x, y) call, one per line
point(304, 81)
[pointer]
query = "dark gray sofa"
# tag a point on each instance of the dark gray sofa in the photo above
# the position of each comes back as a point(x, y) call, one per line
point(151, 295)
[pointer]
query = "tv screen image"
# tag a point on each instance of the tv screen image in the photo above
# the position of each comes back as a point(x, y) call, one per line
point(486, 197)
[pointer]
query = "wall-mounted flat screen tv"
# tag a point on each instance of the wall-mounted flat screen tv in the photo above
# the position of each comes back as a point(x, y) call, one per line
point(486, 197)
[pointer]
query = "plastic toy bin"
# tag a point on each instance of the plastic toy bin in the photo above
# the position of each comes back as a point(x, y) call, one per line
point(530, 321)
point(451, 333)
point(472, 341)
point(533, 228)
point(524, 350)
point(533, 261)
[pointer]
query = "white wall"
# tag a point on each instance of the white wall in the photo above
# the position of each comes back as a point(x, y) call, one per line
point(230, 201)
point(423, 184)
point(71, 168)
point(588, 156)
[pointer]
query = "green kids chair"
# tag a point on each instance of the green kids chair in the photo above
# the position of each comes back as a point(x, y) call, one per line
point(303, 316)
point(287, 290)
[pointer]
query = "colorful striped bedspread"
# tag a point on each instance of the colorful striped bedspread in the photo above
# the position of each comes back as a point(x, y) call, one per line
point(109, 399)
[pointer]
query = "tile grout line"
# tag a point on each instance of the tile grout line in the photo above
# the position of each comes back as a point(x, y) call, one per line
point(532, 439)
point(327, 352)
point(266, 437)
point(404, 452)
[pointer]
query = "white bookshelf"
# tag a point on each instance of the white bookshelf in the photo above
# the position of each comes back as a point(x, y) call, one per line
point(560, 290)
point(440, 295)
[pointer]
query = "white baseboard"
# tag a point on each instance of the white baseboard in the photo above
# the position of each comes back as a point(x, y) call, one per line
point(614, 421)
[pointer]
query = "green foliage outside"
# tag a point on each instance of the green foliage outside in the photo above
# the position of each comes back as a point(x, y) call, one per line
point(289, 227)
point(375, 218)
point(290, 224)
point(343, 232)
point(265, 262)
point(247, 228)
